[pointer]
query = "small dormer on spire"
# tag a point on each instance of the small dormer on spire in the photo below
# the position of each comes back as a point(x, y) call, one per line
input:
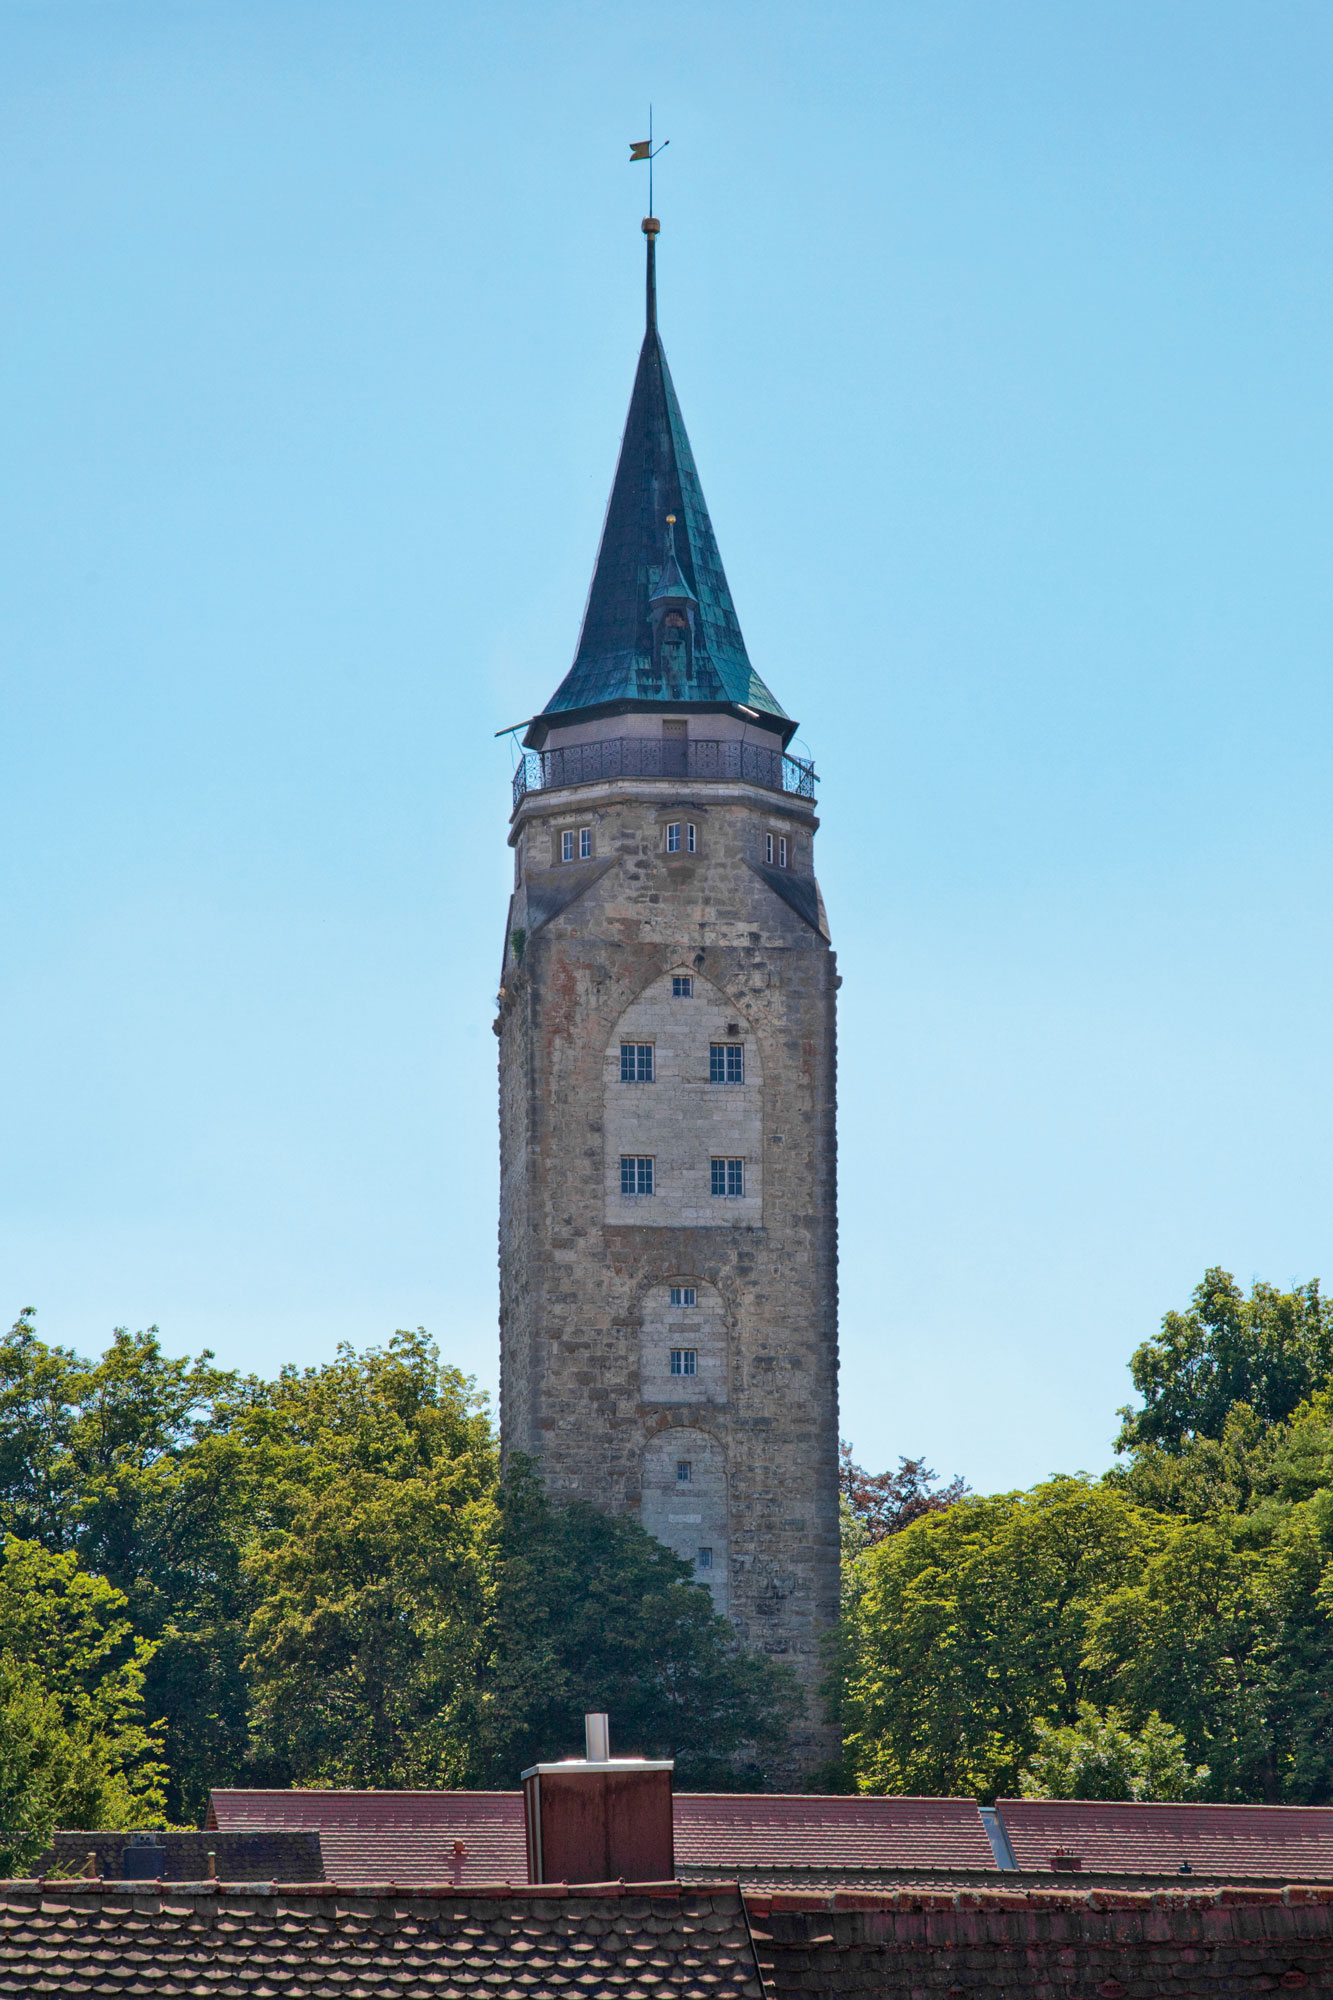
point(672, 609)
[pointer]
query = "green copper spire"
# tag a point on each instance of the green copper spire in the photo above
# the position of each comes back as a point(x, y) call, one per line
point(660, 626)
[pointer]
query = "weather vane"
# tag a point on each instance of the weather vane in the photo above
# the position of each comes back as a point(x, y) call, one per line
point(642, 149)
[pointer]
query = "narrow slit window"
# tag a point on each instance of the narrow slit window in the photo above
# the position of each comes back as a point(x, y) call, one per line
point(726, 1062)
point(728, 1178)
point(684, 1295)
point(684, 1471)
point(636, 1174)
point(685, 1361)
point(690, 841)
point(673, 837)
point(585, 843)
point(566, 847)
point(768, 847)
point(782, 850)
point(682, 986)
point(636, 1062)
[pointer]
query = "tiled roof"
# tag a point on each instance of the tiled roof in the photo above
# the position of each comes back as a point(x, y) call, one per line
point(1011, 1945)
point(59, 1940)
point(741, 1829)
point(393, 1836)
point(1294, 1843)
point(409, 1836)
point(660, 1941)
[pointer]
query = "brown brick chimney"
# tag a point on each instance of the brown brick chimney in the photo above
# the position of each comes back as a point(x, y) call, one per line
point(599, 1818)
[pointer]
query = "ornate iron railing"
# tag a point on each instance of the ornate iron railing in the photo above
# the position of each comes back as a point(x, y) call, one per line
point(656, 757)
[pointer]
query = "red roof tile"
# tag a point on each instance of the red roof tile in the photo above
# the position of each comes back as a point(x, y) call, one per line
point(409, 1836)
point(742, 1829)
point(1293, 1842)
point(393, 1836)
point(217, 1941)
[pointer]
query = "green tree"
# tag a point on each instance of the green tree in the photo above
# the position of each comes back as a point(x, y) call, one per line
point(1270, 1351)
point(972, 1626)
point(592, 1613)
point(132, 1463)
point(74, 1747)
point(1101, 1757)
point(372, 1569)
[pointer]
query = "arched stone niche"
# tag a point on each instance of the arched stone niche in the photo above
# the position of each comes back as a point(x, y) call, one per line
point(689, 1514)
point(682, 1121)
point(699, 1330)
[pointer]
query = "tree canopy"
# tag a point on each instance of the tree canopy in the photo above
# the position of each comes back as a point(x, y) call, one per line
point(323, 1578)
point(1166, 1630)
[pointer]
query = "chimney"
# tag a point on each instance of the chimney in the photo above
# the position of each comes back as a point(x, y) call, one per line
point(599, 1818)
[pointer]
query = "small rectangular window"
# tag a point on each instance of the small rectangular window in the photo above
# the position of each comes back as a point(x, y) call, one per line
point(684, 1471)
point(782, 850)
point(705, 1558)
point(636, 1062)
point(684, 1360)
point(682, 986)
point(636, 1174)
point(673, 837)
point(726, 1062)
point(689, 837)
point(684, 1295)
point(585, 843)
point(566, 847)
point(768, 847)
point(728, 1177)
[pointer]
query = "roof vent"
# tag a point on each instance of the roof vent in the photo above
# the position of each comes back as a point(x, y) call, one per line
point(597, 1738)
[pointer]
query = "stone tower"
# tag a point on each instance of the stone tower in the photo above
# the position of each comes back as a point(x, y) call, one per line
point(668, 1225)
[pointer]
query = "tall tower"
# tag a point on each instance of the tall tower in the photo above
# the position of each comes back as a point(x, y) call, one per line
point(668, 1224)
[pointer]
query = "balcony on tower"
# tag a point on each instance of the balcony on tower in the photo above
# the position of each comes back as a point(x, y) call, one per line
point(700, 759)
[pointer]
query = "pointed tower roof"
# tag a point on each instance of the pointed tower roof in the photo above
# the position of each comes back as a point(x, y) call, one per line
point(643, 562)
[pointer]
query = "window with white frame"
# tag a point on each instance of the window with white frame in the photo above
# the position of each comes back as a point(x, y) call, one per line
point(684, 1295)
point(705, 1559)
point(684, 1471)
point(782, 850)
point(636, 1062)
point(685, 1361)
point(728, 1177)
point(768, 847)
point(585, 843)
point(690, 838)
point(636, 1174)
point(682, 986)
point(673, 837)
point(726, 1062)
point(566, 847)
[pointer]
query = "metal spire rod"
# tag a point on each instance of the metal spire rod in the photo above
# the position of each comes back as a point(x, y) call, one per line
point(642, 149)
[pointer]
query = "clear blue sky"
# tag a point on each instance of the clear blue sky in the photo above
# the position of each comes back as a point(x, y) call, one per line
point(1002, 333)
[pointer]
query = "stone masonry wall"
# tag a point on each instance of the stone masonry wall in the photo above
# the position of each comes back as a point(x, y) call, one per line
point(585, 1275)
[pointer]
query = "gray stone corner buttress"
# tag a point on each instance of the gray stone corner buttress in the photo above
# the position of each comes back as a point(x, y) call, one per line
point(668, 1220)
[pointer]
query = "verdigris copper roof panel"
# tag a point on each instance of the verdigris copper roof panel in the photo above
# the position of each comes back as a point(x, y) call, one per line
point(656, 477)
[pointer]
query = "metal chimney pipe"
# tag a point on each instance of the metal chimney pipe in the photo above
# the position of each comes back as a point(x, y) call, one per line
point(597, 1738)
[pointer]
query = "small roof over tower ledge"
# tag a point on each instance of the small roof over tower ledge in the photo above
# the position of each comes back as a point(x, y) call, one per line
point(643, 562)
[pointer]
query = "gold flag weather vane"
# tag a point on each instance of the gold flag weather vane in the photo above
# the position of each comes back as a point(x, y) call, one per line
point(642, 149)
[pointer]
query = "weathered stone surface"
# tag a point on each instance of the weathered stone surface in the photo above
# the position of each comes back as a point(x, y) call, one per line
point(586, 1272)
